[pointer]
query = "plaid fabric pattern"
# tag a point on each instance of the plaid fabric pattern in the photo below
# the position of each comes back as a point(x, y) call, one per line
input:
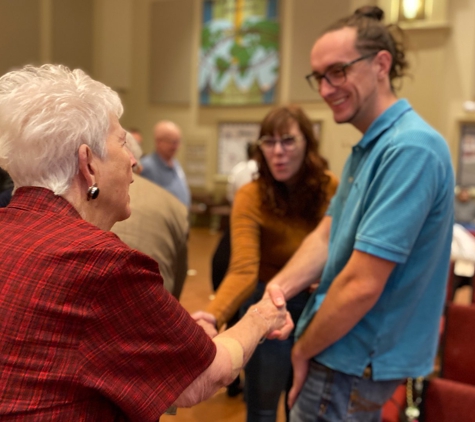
point(87, 331)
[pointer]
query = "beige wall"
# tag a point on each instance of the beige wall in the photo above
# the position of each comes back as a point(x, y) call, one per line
point(199, 124)
point(442, 77)
point(442, 72)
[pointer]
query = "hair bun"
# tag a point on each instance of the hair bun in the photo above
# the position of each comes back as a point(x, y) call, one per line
point(372, 12)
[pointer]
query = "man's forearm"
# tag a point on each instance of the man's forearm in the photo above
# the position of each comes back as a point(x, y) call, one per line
point(306, 265)
point(341, 310)
point(351, 296)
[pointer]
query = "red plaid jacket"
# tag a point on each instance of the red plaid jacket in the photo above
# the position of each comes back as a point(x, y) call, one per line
point(87, 331)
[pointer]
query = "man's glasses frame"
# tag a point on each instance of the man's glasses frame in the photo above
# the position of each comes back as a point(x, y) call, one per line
point(336, 75)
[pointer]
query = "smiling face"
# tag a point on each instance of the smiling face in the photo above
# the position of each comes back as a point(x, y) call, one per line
point(114, 175)
point(356, 100)
point(285, 165)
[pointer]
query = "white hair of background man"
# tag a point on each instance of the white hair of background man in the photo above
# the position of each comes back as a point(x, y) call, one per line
point(136, 151)
point(46, 113)
point(134, 146)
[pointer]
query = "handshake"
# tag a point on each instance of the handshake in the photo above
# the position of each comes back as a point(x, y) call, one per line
point(271, 310)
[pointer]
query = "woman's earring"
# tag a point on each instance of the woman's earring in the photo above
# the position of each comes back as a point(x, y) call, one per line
point(92, 192)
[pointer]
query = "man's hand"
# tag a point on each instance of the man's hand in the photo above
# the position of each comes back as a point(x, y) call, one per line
point(206, 321)
point(300, 366)
point(275, 293)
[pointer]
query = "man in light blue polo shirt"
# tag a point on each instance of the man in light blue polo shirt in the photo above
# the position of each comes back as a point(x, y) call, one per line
point(383, 248)
point(161, 167)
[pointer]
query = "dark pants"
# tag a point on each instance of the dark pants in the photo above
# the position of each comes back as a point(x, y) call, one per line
point(219, 267)
point(269, 371)
point(220, 260)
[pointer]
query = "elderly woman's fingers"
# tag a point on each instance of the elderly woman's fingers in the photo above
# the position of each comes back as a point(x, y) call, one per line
point(284, 332)
point(274, 316)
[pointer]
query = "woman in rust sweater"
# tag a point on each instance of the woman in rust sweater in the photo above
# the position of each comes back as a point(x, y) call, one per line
point(270, 218)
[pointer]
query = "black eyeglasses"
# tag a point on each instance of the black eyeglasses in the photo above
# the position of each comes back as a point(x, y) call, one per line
point(287, 142)
point(335, 76)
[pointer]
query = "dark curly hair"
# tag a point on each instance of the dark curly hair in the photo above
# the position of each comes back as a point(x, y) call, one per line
point(309, 196)
point(373, 36)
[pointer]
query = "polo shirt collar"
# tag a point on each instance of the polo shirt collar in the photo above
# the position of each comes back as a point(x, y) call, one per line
point(384, 121)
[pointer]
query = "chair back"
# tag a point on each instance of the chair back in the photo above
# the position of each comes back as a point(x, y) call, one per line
point(458, 345)
point(447, 401)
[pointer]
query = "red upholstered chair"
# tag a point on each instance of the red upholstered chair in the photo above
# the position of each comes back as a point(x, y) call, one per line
point(395, 406)
point(449, 294)
point(458, 345)
point(448, 401)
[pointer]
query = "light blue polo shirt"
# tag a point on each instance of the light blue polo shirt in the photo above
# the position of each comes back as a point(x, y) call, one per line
point(172, 179)
point(395, 201)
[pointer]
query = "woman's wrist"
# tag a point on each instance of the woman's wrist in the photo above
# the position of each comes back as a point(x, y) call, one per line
point(254, 311)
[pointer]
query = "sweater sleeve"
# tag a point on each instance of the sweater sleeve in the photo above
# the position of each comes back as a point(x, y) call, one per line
point(246, 248)
point(241, 278)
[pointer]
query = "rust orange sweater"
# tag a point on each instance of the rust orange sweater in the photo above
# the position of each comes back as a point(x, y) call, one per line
point(261, 244)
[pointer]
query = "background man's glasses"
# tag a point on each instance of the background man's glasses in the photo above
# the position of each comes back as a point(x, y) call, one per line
point(335, 76)
point(287, 142)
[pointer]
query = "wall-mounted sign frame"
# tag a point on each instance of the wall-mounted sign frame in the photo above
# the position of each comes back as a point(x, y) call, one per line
point(233, 138)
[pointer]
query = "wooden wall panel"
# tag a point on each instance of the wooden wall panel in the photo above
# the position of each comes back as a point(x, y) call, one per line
point(310, 18)
point(171, 51)
point(19, 33)
point(113, 48)
point(72, 33)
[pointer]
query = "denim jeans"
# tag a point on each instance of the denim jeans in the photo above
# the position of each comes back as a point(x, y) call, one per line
point(269, 371)
point(332, 396)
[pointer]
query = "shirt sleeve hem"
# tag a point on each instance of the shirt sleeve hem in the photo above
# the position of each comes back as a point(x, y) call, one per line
point(381, 251)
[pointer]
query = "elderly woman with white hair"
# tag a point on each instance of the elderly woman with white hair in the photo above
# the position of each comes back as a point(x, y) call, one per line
point(88, 332)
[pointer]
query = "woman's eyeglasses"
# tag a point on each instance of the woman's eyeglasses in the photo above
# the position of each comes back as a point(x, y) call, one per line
point(287, 142)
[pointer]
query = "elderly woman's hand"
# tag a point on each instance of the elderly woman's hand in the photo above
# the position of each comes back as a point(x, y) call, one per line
point(275, 293)
point(276, 318)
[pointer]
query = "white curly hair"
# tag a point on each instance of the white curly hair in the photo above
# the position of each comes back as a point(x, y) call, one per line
point(46, 113)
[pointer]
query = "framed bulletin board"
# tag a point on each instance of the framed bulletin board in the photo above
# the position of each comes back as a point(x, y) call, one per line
point(232, 141)
point(466, 160)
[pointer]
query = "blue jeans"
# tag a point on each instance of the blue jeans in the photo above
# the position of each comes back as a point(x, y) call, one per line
point(330, 396)
point(269, 371)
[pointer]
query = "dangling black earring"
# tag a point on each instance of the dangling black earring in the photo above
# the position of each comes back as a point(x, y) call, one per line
point(92, 192)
